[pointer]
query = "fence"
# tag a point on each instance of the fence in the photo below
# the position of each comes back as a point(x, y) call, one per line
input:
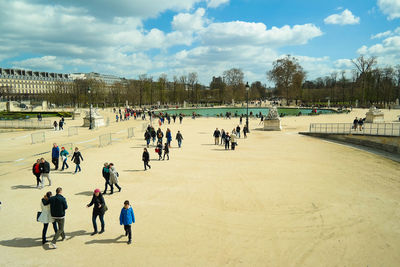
point(72, 131)
point(383, 129)
point(38, 138)
point(131, 132)
point(105, 140)
point(26, 124)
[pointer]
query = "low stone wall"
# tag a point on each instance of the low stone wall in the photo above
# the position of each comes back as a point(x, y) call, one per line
point(386, 143)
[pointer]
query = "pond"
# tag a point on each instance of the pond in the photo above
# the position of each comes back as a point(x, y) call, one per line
point(214, 112)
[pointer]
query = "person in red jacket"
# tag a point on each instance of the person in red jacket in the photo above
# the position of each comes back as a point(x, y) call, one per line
point(36, 172)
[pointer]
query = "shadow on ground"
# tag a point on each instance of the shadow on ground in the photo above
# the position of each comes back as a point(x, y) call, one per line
point(133, 170)
point(21, 186)
point(22, 242)
point(85, 193)
point(106, 241)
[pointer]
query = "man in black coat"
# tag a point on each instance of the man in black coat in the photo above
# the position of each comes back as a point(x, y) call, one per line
point(146, 159)
point(44, 167)
point(216, 135)
point(58, 205)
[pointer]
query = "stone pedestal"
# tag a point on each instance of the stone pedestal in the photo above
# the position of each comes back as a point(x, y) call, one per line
point(374, 115)
point(97, 119)
point(44, 106)
point(272, 125)
point(272, 122)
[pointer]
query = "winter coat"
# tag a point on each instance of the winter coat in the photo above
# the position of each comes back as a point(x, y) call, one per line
point(45, 217)
point(44, 167)
point(146, 156)
point(179, 136)
point(169, 136)
point(166, 149)
point(147, 135)
point(126, 217)
point(58, 205)
point(55, 152)
point(153, 133)
point(96, 201)
point(106, 173)
point(36, 168)
point(216, 133)
point(113, 175)
point(64, 153)
point(77, 157)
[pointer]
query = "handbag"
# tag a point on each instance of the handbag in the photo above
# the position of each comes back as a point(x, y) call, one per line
point(38, 215)
point(105, 208)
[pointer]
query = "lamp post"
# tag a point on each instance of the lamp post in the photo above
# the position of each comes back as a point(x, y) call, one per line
point(247, 117)
point(90, 109)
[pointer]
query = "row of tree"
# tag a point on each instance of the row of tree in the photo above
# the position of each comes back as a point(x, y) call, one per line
point(368, 84)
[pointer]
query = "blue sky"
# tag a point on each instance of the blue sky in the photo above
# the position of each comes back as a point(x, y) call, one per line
point(128, 38)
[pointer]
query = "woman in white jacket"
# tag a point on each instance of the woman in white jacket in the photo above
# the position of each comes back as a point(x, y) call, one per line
point(114, 178)
point(45, 217)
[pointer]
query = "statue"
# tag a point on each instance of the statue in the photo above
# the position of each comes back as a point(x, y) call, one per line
point(374, 115)
point(272, 122)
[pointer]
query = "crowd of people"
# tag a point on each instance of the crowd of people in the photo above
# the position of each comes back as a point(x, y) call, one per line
point(358, 123)
point(53, 207)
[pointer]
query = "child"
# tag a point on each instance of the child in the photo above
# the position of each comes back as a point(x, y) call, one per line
point(126, 218)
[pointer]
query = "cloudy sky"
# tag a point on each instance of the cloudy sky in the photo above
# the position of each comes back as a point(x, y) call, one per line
point(132, 37)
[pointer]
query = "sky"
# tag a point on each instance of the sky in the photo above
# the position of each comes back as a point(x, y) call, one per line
point(132, 37)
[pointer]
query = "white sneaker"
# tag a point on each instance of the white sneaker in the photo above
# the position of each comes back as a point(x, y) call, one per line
point(53, 245)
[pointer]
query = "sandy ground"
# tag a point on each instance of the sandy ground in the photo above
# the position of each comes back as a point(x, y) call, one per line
point(280, 199)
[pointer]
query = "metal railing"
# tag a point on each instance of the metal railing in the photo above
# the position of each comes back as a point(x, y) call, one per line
point(383, 129)
point(26, 124)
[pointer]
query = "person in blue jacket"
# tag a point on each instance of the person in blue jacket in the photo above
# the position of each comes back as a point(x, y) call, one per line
point(55, 155)
point(126, 218)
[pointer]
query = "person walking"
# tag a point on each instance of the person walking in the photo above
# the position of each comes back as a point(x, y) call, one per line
point(64, 156)
point(355, 123)
point(55, 124)
point(238, 131)
point(168, 135)
point(159, 149)
point(146, 159)
point(99, 209)
point(241, 119)
point(179, 138)
point(55, 155)
point(147, 137)
point(233, 141)
point(360, 123)
point(58, 205)
point(227, 140)
point(36, 172)
point(245, 131)
point(44, 167)
point(166, 151)
point(76, 158)
point(114, 178)
point(45, 216)
point(180, 118)
point(126, 218)
point(61, 125)
point(223, 135)
point(153, 135)
point(160, 135)
point(216, 135)
point(106, 175)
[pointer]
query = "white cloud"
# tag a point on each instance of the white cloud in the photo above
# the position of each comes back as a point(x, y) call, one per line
point(391, 8)
point(381, 35)
point(249, 33)
point(216, 3)
point(187, 22)
point(344, 18)
point(343, 63)
point(41, 63)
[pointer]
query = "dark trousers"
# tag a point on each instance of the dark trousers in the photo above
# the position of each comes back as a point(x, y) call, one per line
point(94, 217)
point(65, 164)
point(179, 142)
point(38, 181)
point(128, 230)
point(226, 145)
point(166, 154)
point(45, 225)
point(55, 162)
point(60, 231)
point(146, 164)
point(106, 185)
point(159, 155)
point(112, 187)
point(78, 167)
